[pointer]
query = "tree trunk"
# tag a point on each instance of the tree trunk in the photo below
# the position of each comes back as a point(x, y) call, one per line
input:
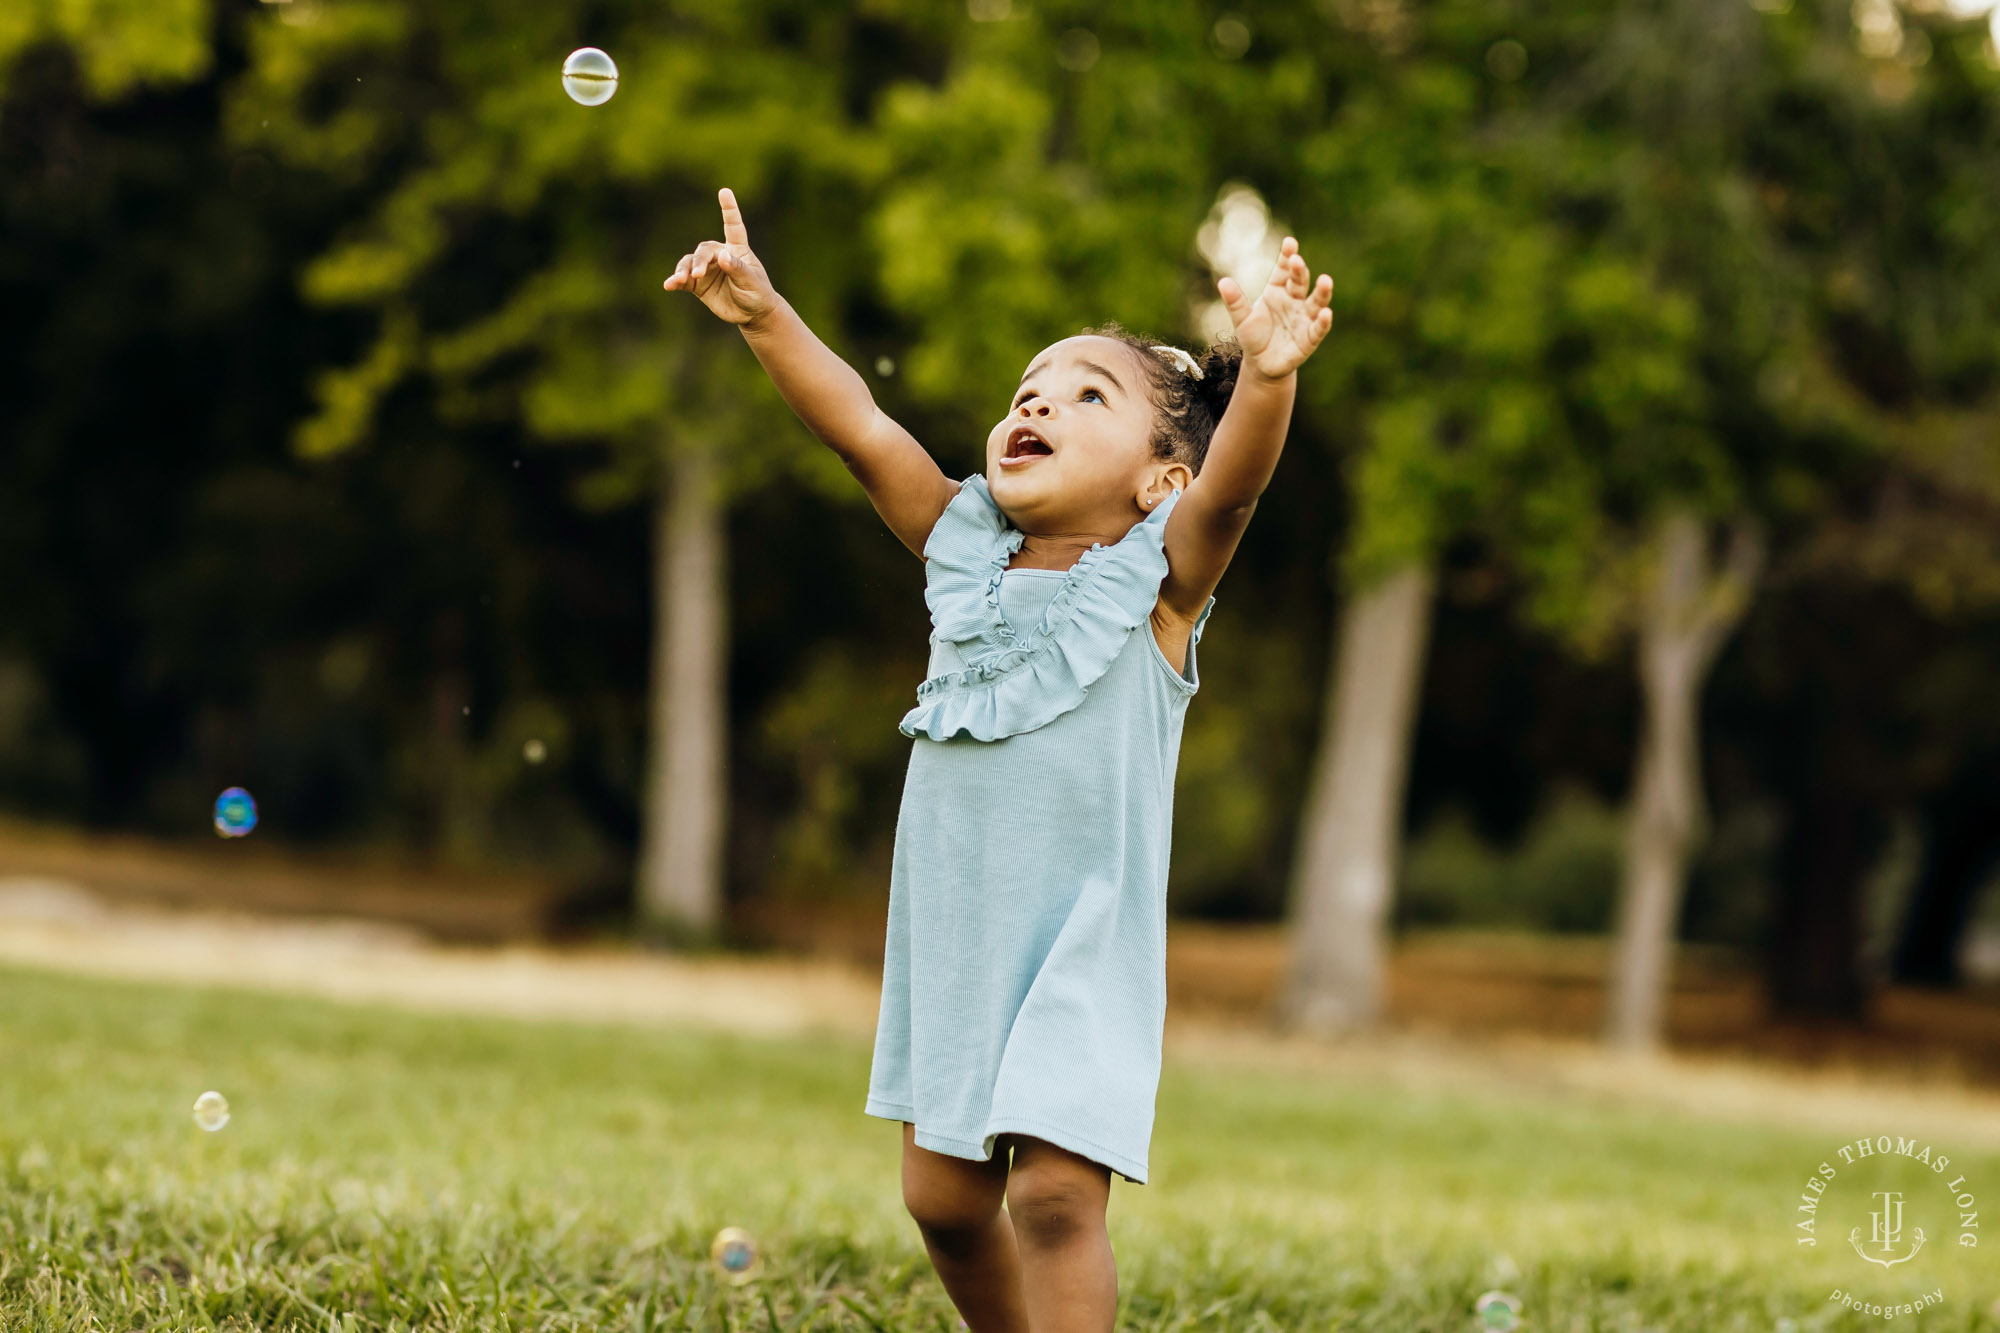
point(1353, 815)
point(1961, 852)
point(1823, 863)
point(680, 837)
point(1688, 612)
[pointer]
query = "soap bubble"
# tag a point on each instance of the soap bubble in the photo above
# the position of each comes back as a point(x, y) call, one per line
point(1507, 60)
point(534, 752)
point(211, 1111)
point(1232, 36)
point(1077, 50)
point(735, 1253)
point(1497, 1310)
point(589, 77)
point(885, 366)
point(235, 813)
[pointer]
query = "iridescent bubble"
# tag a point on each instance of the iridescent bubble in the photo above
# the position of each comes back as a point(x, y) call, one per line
point(1077, 50)
point(235, 813)
point(1497, 1310)
point(534, 752)
point(589, 77)
point(211, 1111)
point(1232, 36)
point(735, 1253)
point(1507, 60)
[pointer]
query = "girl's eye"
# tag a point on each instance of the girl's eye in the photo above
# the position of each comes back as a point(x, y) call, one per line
point(1092, 393)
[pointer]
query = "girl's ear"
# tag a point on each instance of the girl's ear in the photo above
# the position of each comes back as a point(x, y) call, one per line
point(1170, 478)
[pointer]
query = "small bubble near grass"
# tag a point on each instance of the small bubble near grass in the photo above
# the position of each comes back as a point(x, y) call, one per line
point(211, 1111)
point(1497, 1310)
point(735, 1253)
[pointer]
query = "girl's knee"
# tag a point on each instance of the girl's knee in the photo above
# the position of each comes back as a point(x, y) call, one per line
point(941, 1208)
point(1053, 1204)
point(945, 1195)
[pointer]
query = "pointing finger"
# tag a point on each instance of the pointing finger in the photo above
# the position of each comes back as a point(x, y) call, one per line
point(733, 229)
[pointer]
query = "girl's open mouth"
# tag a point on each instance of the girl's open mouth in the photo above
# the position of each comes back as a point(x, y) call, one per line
point(1023, 447)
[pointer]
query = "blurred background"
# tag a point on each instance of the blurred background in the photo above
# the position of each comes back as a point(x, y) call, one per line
point(1615, 653)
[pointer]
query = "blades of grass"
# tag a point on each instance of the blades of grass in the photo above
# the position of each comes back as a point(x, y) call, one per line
point(867, 1315)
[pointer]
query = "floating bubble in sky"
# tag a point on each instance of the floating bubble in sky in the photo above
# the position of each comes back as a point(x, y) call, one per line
point(735, 1253)
point(1497, 1310)
point(534, 752)
point(589, 77)
point(211, 1111)
point(235, 813)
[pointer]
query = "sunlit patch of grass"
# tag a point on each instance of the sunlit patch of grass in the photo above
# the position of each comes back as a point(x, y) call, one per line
point(389, 1171)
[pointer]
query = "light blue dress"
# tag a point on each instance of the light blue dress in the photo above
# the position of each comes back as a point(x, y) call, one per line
point(1024, 979)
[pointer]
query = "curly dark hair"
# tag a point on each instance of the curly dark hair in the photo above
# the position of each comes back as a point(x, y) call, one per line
point(1185, 409)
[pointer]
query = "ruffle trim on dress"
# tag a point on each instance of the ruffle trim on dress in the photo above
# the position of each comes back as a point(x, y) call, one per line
point(1015, 682)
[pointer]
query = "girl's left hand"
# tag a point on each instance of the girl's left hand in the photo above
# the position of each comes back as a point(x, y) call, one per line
point(1288, 321)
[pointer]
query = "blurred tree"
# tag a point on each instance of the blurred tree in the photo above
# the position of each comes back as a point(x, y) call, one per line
point(118, 45)
point(516, 264)
point(1877, 165)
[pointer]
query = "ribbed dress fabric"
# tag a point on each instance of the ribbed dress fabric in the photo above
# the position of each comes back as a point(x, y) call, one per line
point(1024, 975)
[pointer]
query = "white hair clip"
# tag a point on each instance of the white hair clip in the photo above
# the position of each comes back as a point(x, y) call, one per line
point(1174, 354)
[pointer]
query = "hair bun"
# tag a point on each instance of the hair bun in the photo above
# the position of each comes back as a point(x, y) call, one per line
point(1219, 367)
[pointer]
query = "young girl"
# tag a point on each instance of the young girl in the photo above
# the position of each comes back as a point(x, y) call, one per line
point(1024, 988)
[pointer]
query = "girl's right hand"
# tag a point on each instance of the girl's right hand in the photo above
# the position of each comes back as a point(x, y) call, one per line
point(724, 274)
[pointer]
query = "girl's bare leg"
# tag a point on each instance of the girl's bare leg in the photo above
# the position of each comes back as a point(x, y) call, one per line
point(1056, 1201)
point(956, 1204)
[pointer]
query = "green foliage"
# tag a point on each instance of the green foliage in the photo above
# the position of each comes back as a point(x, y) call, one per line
point(119, 44)
point(1025, 201)
point(384, 1170)
point(1563, 877)
point(569, 217)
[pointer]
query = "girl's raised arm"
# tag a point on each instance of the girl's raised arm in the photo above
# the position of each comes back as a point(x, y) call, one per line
point(1277, 333)
point(902, 480)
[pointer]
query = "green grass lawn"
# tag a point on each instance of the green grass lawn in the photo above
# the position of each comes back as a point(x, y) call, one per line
point(385, 1170)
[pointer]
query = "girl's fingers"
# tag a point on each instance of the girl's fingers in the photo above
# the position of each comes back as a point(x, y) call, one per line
point(733, 230)
point(1232, 300)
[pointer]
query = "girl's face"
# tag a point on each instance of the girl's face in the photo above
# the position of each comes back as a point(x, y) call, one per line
point(1075, 450)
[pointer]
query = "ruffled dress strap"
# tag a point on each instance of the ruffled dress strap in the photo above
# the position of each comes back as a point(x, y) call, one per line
point(1014, 682)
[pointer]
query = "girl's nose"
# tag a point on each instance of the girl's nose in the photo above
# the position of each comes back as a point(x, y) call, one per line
point(1040, 406)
